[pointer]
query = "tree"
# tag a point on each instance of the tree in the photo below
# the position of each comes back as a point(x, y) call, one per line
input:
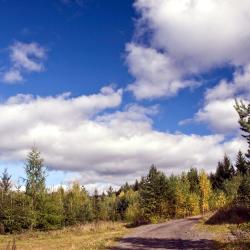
point(244, 192)
point(244, 121)
point(35, 187)
point(5, 182)
point(96, 204)
point(182, 196)
point(224, 171)
point(152, 193)
point(241, 164)
point(36, 175)
point(193, 178)
point(136, 185)
point(205, 191)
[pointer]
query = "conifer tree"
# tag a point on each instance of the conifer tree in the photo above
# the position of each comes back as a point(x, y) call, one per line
point(152, 193)
point(244, 121)
point(136, 185)
point(5, 181)
point(35, 175)
point(241, 164)
point(35, 189)
point(193, 178)
point(224, 171)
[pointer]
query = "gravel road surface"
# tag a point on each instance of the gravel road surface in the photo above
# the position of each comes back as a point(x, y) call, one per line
point(175, 234)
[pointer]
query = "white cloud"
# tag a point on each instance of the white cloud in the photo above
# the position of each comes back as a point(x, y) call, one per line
point(74, 134)
point(193, 35)
point(25, 57)
point(155, 73)
point(239, 86)
point(13, 75)
point(220, 115)
point(218, 111)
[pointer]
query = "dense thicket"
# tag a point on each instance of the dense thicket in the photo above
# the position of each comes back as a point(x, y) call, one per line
point(155, 197)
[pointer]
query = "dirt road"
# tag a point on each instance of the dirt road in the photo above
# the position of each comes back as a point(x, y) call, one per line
point(175, 234)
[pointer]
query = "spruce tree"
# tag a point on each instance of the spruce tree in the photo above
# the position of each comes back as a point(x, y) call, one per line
point(136, 185)
point(241, 164)
point(5, 182)
point(193, 178)
point(224, 171)
point(152, 193)
point(35, 175)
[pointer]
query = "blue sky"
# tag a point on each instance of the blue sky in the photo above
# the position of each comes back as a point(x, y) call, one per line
point(148, 81)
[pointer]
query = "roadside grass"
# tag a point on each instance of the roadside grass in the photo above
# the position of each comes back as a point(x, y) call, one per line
point(93, 236)
point(227, 236)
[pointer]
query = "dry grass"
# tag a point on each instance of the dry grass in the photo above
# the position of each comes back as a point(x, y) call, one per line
point(228, 236)
point(91, 236)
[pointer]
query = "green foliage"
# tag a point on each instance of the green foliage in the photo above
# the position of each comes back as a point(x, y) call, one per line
point(231, 187)
point(155, 198)
point(152, 193)
point(193, 178)
point(244, 121)
point(36, 175)
point(133, 213)
point(224, 171)
point(217, 200)
point(193, 204)
point(5, 181)
point(243, 195)
point(241, 164)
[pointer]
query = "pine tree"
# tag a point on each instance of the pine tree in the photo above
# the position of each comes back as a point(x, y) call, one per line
point(5, 182)
point(244, 121)
point(241, 164)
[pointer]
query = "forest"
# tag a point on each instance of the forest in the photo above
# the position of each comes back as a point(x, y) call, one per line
point(154, 198)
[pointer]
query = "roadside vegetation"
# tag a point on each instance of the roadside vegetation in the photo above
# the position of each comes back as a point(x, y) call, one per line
point(227, 235)
point(92, 236)
point(154, 198)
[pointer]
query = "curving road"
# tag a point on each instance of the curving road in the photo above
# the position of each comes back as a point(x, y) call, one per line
point(175, 234)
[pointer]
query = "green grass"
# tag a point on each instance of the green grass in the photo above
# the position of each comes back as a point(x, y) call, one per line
point(91, 236)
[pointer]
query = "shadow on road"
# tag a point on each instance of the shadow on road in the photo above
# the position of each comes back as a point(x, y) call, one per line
point(135, 243)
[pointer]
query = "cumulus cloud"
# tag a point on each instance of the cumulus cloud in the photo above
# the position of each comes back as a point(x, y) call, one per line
point(187, 37)
point(103, 146)
point(218, 111)
point(155, 73)
point(13, 75)
point(239, 86)
point(219, 115)
point(25, 57)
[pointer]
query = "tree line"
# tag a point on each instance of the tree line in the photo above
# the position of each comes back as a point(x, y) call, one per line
point(153, 198)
